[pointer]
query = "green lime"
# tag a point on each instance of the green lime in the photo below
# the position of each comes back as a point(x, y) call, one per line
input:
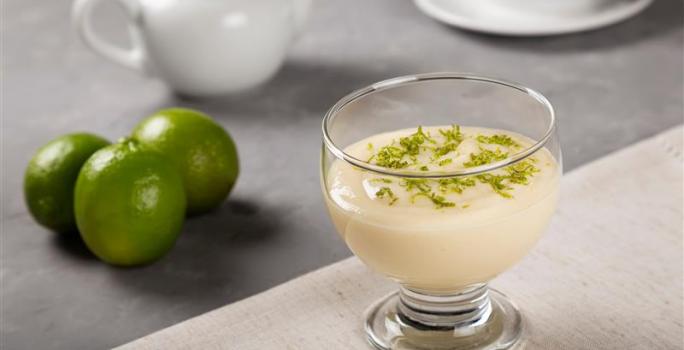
point(51, 175)
point(130, 204)
point(201, 149)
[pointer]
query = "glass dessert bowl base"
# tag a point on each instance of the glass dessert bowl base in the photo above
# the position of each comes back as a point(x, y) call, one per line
point(477, 318)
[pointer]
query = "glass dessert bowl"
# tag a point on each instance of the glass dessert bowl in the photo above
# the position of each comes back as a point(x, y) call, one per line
point(441, 182)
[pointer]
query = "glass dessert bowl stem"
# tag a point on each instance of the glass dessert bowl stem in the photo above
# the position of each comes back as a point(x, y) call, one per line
point(441, 182)
point(458, 311)
point(475, 318)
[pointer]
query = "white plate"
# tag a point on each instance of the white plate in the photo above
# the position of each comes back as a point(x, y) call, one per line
point(531, 17)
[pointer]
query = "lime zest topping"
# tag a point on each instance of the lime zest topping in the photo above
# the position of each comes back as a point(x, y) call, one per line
point(444, 162)
point(386, 192)
point(424, 189)
point(498, 139)
point(412, 143)
point(390, 157)
point(485, 157)
point(444, 150)
point(439, 201)
point(518, 173)
point(453, 135)
point(419, 184)
point(453, 138)
point(406, 152)
point(381, 179)
point(455, 184)
point(496, 182)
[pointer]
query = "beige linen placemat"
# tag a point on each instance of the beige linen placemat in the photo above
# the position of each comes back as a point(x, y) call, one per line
point(608, 274)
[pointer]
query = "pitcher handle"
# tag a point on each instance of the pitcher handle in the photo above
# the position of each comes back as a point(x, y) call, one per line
point(135, 57)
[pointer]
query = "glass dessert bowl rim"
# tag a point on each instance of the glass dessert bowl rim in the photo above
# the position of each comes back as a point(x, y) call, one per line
point(416, 78)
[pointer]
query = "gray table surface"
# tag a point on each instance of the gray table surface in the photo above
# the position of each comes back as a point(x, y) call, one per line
point(611, 88)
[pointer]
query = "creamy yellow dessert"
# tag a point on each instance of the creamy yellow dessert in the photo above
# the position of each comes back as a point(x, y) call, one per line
point(442, 234)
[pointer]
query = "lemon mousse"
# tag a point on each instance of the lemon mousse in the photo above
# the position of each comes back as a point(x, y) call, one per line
point(442, 233)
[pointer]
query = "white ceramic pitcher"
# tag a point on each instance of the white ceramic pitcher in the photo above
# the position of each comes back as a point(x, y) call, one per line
point(201, 47)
